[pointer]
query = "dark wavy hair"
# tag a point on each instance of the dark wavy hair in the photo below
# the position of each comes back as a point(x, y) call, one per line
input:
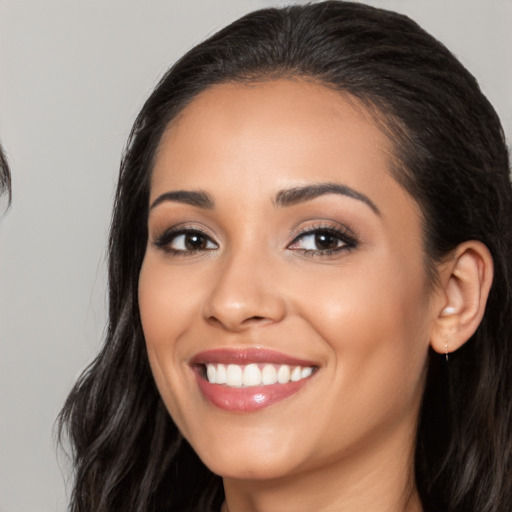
point(5, 177)
point(449, 154)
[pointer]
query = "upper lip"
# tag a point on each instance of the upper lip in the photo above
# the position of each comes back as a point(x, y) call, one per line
point(243, 356)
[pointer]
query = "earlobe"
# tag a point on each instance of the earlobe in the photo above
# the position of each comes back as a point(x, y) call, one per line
point(465, 282)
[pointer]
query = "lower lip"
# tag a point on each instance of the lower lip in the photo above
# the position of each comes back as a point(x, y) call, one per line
point(247, 399)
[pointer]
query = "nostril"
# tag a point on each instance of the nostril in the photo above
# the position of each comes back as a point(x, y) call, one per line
point(254, 319)
point(215, 321)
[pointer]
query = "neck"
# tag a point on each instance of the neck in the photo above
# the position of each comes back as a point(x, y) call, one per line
point(379, 480)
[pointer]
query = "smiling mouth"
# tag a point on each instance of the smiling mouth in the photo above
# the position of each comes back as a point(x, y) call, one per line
point(246, 380)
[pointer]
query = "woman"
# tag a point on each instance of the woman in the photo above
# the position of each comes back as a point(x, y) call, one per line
point(310, 281)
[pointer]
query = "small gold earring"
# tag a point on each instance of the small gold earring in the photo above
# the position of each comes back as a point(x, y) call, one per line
point(446, 351)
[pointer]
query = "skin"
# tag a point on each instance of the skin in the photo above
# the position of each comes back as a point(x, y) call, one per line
point(366, 314)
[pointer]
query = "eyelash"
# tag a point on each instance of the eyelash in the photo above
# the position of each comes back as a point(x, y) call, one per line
point(164, 241)
point(347, 240)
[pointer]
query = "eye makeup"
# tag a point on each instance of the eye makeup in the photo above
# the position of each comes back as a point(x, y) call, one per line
point(184, 240)
point(315, 240)
point(323, 240)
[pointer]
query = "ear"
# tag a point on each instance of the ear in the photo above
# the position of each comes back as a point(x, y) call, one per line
point(465, 281)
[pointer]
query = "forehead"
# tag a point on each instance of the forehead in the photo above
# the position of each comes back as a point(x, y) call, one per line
point(248, 136)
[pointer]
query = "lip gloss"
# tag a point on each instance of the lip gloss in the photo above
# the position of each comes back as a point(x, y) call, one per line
point(250, 398)
point(247, 399)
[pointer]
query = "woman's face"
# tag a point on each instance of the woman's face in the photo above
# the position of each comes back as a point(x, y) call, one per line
point(280, 248)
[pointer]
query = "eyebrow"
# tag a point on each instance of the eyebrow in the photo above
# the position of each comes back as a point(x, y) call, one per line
point(291, 196)
point(286, 197)
point(194, 198)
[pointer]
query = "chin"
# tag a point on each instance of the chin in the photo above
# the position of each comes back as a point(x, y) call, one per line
point(255, 470)
point(248, 459)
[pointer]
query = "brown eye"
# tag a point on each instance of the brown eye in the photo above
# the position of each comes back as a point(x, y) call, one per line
point(323, 241)
point(326, 241)
point(195, 242)
point(185, 242)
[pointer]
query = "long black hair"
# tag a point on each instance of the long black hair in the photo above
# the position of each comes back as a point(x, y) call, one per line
point(450, 155)
point(5, 177)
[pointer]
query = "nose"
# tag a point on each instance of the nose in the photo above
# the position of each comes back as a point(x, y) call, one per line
point(244, 294)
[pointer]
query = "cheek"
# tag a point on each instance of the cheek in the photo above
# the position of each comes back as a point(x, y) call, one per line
point(166, 301)
point(377, 294)
point(166, 304)
point(375, 327)
point(374, 319)
point(163, 306)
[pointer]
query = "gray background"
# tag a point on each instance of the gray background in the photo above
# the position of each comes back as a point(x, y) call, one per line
point(73, 74)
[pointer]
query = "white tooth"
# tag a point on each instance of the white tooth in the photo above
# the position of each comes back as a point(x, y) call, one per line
point(234, 376)
point(268, 374)
point(221, 374)
point(283, 374)
point(306, 372)
point(252, 375)
point(210, 373)
point(295, 375)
